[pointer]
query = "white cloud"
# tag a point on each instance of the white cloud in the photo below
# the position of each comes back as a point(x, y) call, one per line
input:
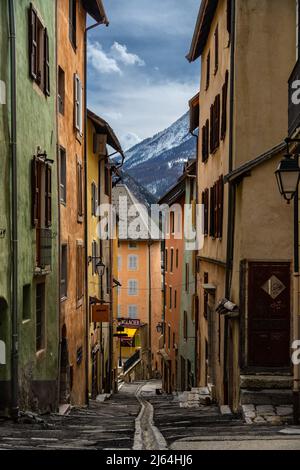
point(129, 140)
point(120, 53)
point(101, 61)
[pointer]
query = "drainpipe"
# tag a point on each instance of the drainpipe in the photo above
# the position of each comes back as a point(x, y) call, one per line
point(231, 190)
point(85, 205)
point(13, 147)
point(150, 311)
point(296, 318)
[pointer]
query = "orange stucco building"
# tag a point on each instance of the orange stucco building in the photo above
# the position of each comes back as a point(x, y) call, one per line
point(71, 56)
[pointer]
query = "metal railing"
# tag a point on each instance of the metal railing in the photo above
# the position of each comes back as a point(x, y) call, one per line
point(131, 360)
point(44, 248)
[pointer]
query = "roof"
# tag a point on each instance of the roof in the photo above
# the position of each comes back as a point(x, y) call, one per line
point(206, 13)
point(96, 10)
point(194, 105)
point(236, 175)
point(174, 194)
point(104, 128)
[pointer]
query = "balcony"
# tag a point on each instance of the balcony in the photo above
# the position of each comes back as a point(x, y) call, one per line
point(43, 249)
point(294, 99)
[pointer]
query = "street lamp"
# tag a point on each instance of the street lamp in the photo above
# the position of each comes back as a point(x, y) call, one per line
point(288, 176)
point(99, 265)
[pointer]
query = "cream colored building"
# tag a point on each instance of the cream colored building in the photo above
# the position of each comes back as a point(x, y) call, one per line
point(244, 346)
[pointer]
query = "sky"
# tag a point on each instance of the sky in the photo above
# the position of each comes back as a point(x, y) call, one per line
point(138, 77)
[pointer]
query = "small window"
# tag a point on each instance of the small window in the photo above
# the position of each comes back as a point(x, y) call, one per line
point(172, 260)
point(175, 298)
point(107, 181)
point(166, 260)
point(205, 296)
point(174, 340)
point(78, 105)
point(177, 258)
point(94, 256)
point(61, 91)
point(132, 245)
point(132, 287)
point(187, 277)
point(79, 271)
point(172, 221)
point(132, 311)
point(169, 337)
point(39, 55)
point(94, 202)
point(216, 49)
point(79, 192)
point(170, 297)
point(64, 272)
point(132, 262)
point(207, 71)
point(185, 326)
point(26, 302)
point(63, 175)
point(40, 316)
point(72, 22)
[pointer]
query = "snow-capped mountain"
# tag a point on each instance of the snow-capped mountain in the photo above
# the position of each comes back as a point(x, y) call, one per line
point(157, 162)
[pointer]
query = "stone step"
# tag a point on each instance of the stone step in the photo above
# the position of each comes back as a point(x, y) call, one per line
point(263, 382)
point(266, 397)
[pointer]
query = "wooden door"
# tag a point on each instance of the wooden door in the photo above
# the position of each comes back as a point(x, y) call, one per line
point(269, 314)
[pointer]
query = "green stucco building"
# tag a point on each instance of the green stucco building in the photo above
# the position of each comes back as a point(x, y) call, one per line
point(35, 328)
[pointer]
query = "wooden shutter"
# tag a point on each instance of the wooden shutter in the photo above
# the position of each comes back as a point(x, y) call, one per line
point(79, 190)
point(32, 31)
point(216, 197)
point(217, 122)
point(206, 207)
point(203, 144)
point(46, 63)
point(48, 196)
point(224, 107)
point(216, 49)
point(211, 134)
point(220, 206)
point(35, 192)
point(212, 212)
point(76, 102)
point(229, 9)
point(207, 70)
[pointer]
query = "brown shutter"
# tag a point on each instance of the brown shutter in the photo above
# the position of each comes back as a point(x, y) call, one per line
point(32, 33)
point(217, 122)
point(221, 203)
point(216, 197)
point(229, 9)
point(46, 63)
point(216, 49)
point(211, 135)
point(224, 107)
point(206, 210)
point(211, 212)
point(35, 192)
point(48, 196)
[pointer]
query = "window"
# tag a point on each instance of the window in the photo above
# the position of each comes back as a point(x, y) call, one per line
point(132, 311)
point(172, 221)
point(169, 337)
point(63, 175)
point(72, 22)
point(229, 9)
point(185, 326)
point(79, 271)
point(166, 260)
point(224, 107)
point(205, 141)
point(132, 287)
point(132, 262)
point(205, 203)
point(40, 316)
point(79, 192)
point(41, 193)
point(175, 298)
point(172, 260)
point(205, 296)
point(132, 245)
point(170, 297)
point(94, 256)
point(177, 258)
point(26, 302)
point(78, 103)
point(215, 125)
point(61, 91)
point(212, 212)
point(64, 272)
point(107, 180)
point(216, 209)
point(187, 277)
point(216, 49)
point(207, 71)
point(174, 340)
point(94, 202)
point(39, 57)
point(119, 262)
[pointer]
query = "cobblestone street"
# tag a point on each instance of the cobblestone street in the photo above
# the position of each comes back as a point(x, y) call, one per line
point(137, 418)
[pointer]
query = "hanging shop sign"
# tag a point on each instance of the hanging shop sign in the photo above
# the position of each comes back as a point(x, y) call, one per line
point(100, 313)
point(129, 322)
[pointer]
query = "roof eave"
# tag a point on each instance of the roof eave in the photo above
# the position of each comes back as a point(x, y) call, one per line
point(202, 28)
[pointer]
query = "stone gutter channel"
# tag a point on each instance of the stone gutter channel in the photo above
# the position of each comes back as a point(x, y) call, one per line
point(147, 436)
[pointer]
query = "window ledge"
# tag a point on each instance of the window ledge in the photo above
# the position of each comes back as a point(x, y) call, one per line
point(42, 271)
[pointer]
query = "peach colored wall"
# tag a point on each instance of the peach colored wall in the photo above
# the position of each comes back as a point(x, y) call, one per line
point(156, 303)
point(73, 314)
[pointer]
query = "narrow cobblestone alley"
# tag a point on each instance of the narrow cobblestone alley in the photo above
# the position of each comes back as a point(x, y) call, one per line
point(139, 419)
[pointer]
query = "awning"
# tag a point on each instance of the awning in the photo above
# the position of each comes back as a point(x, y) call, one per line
point(104, 128)
point(164, 355)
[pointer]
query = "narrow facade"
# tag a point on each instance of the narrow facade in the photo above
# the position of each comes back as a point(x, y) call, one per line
point(241, 131)
point(28, 379)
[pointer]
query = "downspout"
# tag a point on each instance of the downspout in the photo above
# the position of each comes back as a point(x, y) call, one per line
point(86, 215)
point(296, 325)
point(150, 311)
point(14, 174)
point(231, 194)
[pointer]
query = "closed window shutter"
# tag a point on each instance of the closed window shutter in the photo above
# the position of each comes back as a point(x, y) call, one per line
point(216, 197)
point(211, 134)
point(207, 138)
point(217, 122)
point(216, 49)
point(35, 192)
point(46, 63)
point(224, 107)
point(32, 30)
point(203, 143)
point(212, 212)
point(76, 102)
point(220, 209)
point(48, 196)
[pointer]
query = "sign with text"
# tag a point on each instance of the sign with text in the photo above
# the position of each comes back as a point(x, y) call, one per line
point(129, 322)
point(100, 313)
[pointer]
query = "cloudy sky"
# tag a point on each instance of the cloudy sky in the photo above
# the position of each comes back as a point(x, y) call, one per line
point(139, 79)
